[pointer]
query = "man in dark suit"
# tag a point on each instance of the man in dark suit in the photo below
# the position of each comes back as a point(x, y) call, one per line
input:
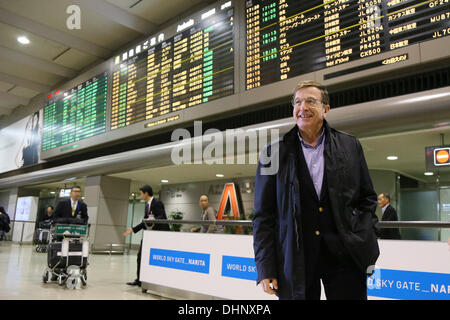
point(315, 212)
point(154, 208)
point(73, 207)
point(49, 214)
point(389, 214)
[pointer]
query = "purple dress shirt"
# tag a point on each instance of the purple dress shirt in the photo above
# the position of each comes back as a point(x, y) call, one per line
point(315, 161)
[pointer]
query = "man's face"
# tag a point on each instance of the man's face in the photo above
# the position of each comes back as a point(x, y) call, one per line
point(308, 109)
point(143, 196)
point(75, 194)
point(382, 201)
point(204, 202)
point(49, 210)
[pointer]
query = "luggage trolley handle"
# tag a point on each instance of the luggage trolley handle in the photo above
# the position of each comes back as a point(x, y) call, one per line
point(71, 230)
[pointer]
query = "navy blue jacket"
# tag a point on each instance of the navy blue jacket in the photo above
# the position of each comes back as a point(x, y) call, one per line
point(157, 209)
point(390, 233)
point(277, 228)
point(64, 210)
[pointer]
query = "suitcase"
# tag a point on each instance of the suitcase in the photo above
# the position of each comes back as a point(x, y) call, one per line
point(41, 236)
point(75, 256)
point(47, 224)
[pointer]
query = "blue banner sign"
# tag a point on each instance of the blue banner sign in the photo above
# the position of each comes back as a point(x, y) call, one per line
point(181, 260)
point(239, 267)
point(409, 285)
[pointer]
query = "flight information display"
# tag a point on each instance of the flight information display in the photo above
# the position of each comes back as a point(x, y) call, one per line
point(287, 38)
point(75, 114)
point(161, 76)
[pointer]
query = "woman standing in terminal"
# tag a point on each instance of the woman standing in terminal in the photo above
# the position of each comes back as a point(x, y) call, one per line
point(208, 213)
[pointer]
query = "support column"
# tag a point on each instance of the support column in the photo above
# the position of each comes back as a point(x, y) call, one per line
point(12, 202)
point(107, 202)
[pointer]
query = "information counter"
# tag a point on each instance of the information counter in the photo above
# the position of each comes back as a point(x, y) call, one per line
point(221, 266)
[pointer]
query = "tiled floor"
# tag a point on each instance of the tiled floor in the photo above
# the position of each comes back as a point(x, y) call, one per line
point(21, 270)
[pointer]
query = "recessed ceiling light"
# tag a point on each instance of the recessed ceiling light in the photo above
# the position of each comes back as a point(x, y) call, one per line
point(392, 158)
point(52, 192)
point(164, 181)
point(23, 40)
point(219, 175)
point(428, 173)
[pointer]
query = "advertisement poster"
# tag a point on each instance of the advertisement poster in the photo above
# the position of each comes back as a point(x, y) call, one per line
point(23, 208)
point(21, 143)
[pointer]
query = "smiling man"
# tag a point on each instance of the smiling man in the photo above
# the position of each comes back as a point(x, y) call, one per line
point(315, 218)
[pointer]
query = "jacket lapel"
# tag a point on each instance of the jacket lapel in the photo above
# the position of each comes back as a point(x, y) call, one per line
point(293, 184)
point(332, 174)
point(328, 152)
point(293, 154)
point(310, 183)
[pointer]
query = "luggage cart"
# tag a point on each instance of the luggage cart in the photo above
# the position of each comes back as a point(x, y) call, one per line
point(42, 236)
point(67, 256)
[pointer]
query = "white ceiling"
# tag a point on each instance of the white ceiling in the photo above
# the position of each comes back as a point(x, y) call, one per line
point(56, 54)
point(185, 173)
point(409, 147)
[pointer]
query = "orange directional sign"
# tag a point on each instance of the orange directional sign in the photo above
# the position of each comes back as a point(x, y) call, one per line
point(231, 193)
point(442, 156)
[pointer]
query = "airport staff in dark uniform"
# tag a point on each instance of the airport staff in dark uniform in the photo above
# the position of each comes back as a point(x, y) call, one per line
point(389, 214)
point(47, 219)
point(155, 208)
point(49, 214)
point(314, 216)
point(73, 207)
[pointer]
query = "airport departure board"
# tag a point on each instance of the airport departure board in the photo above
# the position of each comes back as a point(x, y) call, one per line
point(287, 38)
point(75, 114)
point(161, 76)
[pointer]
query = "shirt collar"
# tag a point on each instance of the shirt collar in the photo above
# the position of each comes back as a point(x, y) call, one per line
point(319, 141)
point(384, 208)
point(150, 202)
